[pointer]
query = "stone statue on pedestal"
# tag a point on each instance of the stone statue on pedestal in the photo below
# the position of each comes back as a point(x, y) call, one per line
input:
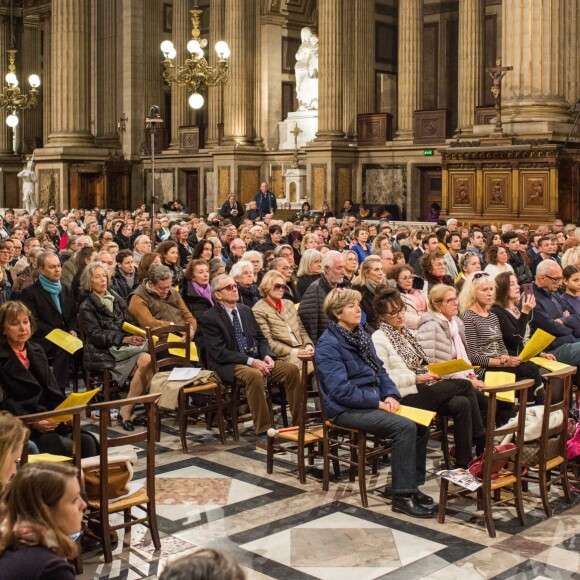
point(306, 70)
point(29, 187)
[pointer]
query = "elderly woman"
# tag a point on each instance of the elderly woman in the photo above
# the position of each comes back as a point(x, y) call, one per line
point(309, 242)
point(361, 246)
point(371, 275)
point(28, 384)
point(184, 250)
point(257, 260)
point(28, 276)
point(102, 314)
point(338, 242)
point(414, 299)
point(406, 362)
point(433, 268)
point(359, 394)
point(217, 267)
point(243, 273)
point(497, 261)
point(469, 263)
point(279, 321)
point(169, 253)
point(156, 302)
point(485, 345)
point(309, 270)
point(195, 289)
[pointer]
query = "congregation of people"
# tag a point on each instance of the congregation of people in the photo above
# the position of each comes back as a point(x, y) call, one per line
point(374, 303)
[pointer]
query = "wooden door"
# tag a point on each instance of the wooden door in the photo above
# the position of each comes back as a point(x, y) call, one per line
point(431, 188)
point(192, 191)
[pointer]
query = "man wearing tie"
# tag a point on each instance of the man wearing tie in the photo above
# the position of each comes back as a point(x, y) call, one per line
point(265, 200)
point(238, 350)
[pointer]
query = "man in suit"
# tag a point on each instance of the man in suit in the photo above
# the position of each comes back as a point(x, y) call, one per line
point(265, 200)
point(53, 306)
point(238, 350)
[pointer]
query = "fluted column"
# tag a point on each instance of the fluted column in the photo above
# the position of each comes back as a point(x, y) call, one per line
point(179, 95)
point(32, 118)
point(5, 131)
point(71, 78)
point(572, 50)
point(107, 113)
point(256, 100)
point(46, 79)
point(534, 44)
point(471, 61)
point(364, 20)
point(215, 95)
point(330, 73)
point(236, 89)
point(410, 88)
point(349, 67)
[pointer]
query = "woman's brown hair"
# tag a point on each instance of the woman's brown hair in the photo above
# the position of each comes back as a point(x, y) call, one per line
point(385, 296)
point(9, 314)
point(146, 261)
point(191, 267)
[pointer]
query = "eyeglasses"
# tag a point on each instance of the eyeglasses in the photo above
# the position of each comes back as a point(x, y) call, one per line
point(450, 300)
point(280, 287)
point(405, 278)
point(229, 288)
point(558, 279)
point(395, 313)
point(479, 275)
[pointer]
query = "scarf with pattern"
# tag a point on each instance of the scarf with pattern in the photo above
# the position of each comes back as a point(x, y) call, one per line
point(407, 348)
point(361, 342)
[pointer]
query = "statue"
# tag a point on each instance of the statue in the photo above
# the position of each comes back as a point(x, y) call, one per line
point(306, 70)
point(497, 73)
point(29, 187)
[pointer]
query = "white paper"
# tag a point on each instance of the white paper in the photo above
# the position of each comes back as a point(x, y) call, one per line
point(183, 374)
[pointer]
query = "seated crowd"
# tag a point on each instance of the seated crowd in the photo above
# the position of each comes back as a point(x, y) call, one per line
point(374, 304)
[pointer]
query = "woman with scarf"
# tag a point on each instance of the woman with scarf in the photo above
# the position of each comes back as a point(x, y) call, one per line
point(370, 276)
point(433, 268)
point(243, 273)
point(406, 361)
point(359, 394)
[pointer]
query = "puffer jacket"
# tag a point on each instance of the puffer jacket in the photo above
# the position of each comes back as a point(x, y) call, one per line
point(103, 329)
point(310, 311)
point(434, 336)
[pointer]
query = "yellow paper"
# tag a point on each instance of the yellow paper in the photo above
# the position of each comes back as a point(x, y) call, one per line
point(498, 380)
point(132, 329)
point(449, 367)
point(65, 340)
point(193, 356)
point(73, 400)
point(537, 344)
point(419, 416)
point(552, 365)
point(47, 457)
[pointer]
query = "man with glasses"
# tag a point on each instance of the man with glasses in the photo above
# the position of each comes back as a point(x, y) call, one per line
point(551, 316)
point(237, 350)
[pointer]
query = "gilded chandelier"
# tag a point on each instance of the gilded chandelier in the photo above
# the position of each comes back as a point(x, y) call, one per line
point(12, 99)
point(196, 74)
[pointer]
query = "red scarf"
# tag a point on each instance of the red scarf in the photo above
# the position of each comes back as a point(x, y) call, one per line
point(277, 306)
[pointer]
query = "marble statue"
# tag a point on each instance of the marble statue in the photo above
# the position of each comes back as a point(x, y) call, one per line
point(29, 187)
point(306, 70)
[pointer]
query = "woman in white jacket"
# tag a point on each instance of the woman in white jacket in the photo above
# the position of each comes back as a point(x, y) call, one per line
point(406, 363)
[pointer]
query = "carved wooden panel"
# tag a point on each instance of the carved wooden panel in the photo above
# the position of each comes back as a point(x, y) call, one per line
point(318, 184)
point(534, 191)
point(49, 187)
point(497, 191)
point(190, 139)
point(343, 185)
point(430, 126)
point(223, 184)
point(462, 190)
point(248, 182)
point(374, 129)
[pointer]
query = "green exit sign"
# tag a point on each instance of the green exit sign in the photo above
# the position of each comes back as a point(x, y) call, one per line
point(429, 152)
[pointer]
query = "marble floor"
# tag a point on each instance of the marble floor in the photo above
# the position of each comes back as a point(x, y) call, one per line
point(220, 496)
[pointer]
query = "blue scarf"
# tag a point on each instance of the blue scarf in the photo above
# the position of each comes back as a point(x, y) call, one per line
point(53, 288)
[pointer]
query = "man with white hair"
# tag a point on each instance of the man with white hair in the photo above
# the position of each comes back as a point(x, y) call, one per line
point(551, 316)
point(505, 228)
point(310, 311)
point(141, 247)
point(452, 225)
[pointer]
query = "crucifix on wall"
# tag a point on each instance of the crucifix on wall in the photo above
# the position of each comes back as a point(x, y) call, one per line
point(296, 132)
point(497, 73)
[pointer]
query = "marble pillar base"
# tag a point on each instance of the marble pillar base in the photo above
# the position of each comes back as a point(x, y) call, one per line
point(307, 121)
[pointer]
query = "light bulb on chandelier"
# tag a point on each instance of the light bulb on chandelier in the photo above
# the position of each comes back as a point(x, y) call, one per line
point(12, 120)
point(196, 101)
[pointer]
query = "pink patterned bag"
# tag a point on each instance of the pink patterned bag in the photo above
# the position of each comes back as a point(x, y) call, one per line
point(573, 445)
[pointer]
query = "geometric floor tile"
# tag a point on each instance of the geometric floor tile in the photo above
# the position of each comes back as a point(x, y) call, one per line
point(182, 490)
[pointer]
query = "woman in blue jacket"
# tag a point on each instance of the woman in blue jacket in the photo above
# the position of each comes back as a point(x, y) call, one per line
point(358, 393)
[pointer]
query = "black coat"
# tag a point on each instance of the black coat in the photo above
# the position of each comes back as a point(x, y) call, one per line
point(198, 305)
point(248, 296)
point(226, 212)
point(303, 282)
point(46, 314)
point(34, 563)
point(220, 342)
point(121, 287)
point(30, 390)
point(103, 329)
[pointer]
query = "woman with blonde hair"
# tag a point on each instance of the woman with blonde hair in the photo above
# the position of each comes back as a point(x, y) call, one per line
point(381, 242)
point(571, 257)
point(309, 270)
point(44, 511)
point(13, 433)
point(370, 276)
point(309, 242)
point(350, 265)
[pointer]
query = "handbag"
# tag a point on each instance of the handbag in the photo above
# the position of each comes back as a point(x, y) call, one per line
point(475, 466)
point(126, 351)
point(119, 474)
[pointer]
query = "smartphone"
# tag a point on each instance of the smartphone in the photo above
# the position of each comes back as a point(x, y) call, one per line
point(528, 290)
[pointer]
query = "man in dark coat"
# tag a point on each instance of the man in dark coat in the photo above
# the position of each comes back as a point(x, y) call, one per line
point(53, 306)
point(237, 350)
point(265, 200)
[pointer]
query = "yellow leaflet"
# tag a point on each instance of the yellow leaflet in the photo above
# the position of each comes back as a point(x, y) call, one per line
point(552, 365)
point(498, 380)
point(132, 329)
point(419, 416)
point(539, 341)
point(449, 367)
point(193, 356)
point(48, 457)
point(65, 340)
point(73, 400)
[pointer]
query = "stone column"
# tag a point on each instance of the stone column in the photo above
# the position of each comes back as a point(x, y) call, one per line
point(257, 89)
point(180, 95)
point(349, 67)
point(572, 50)
point(215, 95)
point(534, 42)
point(410, 65)
point(31, 118)
point(471, 62)
point(364, 19)
point(107, 112)
point(71, 78)
point(5, 131)
point(330, 73)
point(236, 89)
point(46, 79)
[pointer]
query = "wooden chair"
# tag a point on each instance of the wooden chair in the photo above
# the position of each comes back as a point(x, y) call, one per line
point(304, 439)
point(512, 478)
point(352, 447)
point(212, 393)
point(549, 451)
point(144, 499)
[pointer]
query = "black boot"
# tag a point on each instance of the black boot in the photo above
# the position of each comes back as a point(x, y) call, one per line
point(408, 505)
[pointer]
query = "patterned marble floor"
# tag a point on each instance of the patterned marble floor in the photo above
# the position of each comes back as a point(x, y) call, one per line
point(221, 497)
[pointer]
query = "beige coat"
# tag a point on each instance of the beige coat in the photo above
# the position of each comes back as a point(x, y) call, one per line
point(283, 330)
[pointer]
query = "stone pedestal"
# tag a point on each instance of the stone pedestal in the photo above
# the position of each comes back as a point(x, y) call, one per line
point(307, 121)
point(295, 192)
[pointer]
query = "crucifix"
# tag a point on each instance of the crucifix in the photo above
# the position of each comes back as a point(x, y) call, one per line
point(296, 132)
point(497, 73)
